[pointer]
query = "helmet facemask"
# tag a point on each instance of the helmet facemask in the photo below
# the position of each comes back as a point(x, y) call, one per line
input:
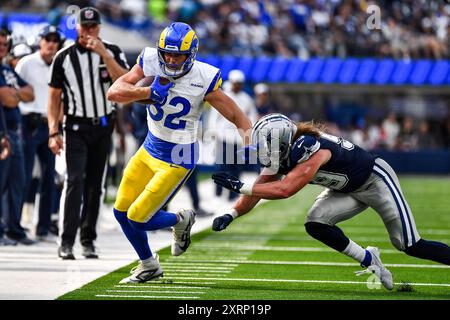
point(174, 70)
point(273, 136)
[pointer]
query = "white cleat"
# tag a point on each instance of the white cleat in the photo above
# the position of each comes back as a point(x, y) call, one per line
point(141, 273)
point(182, 232)
point(377, 268)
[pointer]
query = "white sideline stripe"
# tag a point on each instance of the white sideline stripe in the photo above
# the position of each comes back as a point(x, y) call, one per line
point(212, 258)
point(382, 229)
point(194, 271)
point(212, 264)
point(359, 229)
point(194, 282)
point(149, 297)
point(181, 266)
point(321, 281)
point(138, 286)
point(279, 248)
point(340, 264)
point(154, 291)
point(186, 274)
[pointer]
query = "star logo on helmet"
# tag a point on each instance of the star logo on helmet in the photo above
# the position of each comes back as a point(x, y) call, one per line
point(309, 150)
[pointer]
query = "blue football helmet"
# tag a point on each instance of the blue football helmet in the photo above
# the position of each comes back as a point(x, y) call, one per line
point(178, 38)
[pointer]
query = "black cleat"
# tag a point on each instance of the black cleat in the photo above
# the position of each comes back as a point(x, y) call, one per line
point(89, 251)
point(65, 252)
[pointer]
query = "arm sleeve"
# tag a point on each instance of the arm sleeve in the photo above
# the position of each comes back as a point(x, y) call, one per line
point(215, 83)
point(57, 72)
point(140, 59)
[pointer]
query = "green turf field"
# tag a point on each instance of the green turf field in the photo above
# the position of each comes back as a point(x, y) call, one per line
point(268, 255)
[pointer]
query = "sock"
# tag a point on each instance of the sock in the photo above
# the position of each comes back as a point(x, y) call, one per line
point(431, 250)
point(137, 238)
point(358, 253)
point(160, 220)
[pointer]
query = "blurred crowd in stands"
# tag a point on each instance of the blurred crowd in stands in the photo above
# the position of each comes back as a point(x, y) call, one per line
point(303, 28)
point(397, 134)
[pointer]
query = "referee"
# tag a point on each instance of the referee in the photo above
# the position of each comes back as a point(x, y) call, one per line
point(82, 73)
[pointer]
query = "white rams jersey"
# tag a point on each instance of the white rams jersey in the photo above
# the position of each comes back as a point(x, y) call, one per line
point(177, 120)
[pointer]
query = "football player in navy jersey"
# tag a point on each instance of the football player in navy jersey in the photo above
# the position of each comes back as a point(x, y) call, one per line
point(294, 155)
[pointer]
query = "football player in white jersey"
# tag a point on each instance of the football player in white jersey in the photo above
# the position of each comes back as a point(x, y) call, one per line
point(169, 154)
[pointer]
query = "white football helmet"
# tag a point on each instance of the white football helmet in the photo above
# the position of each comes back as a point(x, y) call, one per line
point(273, 135)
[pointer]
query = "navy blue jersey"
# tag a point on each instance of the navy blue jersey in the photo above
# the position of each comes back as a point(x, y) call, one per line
point(347, 170)
point(8, 77)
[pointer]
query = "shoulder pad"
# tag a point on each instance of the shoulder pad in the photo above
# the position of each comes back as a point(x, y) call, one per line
point(146, 54)
point(303, 148)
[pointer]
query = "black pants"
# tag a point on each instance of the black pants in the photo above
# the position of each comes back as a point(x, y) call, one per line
point(227, 160)
point(35, 134)
point(87, 147)
point(191, 183)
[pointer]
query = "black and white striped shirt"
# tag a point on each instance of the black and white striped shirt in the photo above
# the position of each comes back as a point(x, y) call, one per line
point(84, 79)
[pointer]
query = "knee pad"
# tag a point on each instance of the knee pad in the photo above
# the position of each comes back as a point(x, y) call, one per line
point(137, 215)
point(314, 229)
point(332, 236)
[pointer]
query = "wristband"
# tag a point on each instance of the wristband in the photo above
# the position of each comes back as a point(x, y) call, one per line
point(233, 213)
point(246, 189)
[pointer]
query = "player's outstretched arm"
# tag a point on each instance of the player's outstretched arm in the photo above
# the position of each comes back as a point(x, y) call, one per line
point(296, 179)
point(230, 110)
point(123, 90)
point(243, 205)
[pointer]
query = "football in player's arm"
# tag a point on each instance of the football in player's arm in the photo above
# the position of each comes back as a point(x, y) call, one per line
point(297, 154)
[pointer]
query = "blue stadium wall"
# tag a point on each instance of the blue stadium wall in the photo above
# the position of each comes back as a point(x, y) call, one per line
point(419, 162)
point(350, 71)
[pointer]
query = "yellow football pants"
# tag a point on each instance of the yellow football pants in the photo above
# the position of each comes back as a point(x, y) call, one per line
point(147, 185)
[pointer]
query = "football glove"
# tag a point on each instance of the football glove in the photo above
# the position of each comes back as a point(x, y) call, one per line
point(227, 181)
point(159, 92)
point(220, 223)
